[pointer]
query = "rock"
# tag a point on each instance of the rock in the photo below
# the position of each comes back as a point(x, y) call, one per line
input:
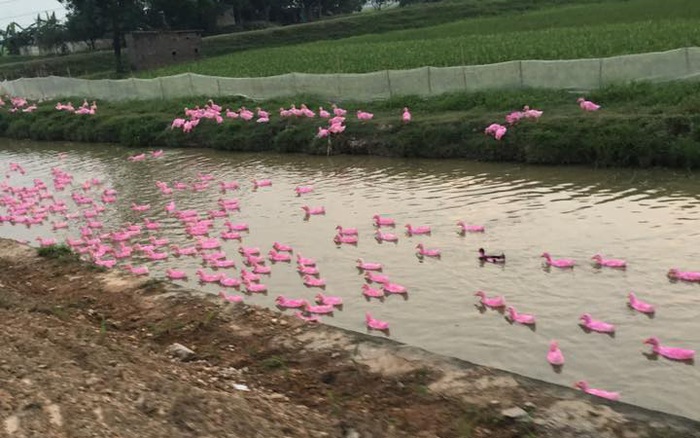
point(92, 381)
point(494, 403)
point(181, 352)
point(529, 406)
point(352, 433)
point(514, 413)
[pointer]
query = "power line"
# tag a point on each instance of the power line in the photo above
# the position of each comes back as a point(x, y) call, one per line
point(30, 13)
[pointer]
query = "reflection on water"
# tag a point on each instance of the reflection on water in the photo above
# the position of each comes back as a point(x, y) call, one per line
point(646, 217)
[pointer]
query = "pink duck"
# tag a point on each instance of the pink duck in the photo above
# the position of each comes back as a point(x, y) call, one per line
point(229, 281)
point(207, 278)
point(595, 325)
point(321, 309)
point(554, 355)
point(313, 210)
point(376, 278)
point(371, 292)
point(305, 261)
point(406, 116)
point(175, 274)
point(426, 252)
point(282, 247)
point(385, 237)
point(300, 190)
point(558, 263)
point(669, 352)
point(339, 239)
point(639, 305)
point(279, 256)
point(261, 183)
point(290, 303)
point(231, 298)
point(583, 385)
point(307, 270)
point(231, 235)
point(520, 318)
point(421, 229)
point(368, 266)
point(248, 251)
point(494, 302)
point(683, 275)
point(375, 324)
point(587, 105)
point(346, 231)
point(261, 269)
point(308, 318)
point(394, 288)
point(466, 228)
point(137, 270)
point(254, 287)
point(611, 263)
point(380, 221)
point(314, 282)
point(328, 300)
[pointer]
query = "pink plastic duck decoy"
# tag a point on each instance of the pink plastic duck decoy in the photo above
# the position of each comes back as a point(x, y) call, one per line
point(321, 309)
point(261, 183)
point(305, 261)
point(385, 237)
point(346, 231)
point(339, 239)
point(394, 288)
point(380, 221)
point(313, 210)
point(558, 263)
point(406, 116)
point(328, 300)
point(371, 292)
point(376, 278)
point(639, 305)
point(279, 256)
point(290, 303)
point(595, 325)
point(494, 302)
point(611, 263)
point(521, 318)
point(231, 298)
point(308, 318)
point(280, 247)
point(669, 352)
point(368, 266)
point(175, 274)
point(587, 105)
point(314, 282)
point(554, 355)
point(427, 252)
point(466, 228)
point(307, 270)
point(300, 190)
point(422, 229)
point(683, 275)
point(583, 385)
point(375, 324)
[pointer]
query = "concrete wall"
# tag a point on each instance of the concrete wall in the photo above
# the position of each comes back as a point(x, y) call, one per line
point(157, 49)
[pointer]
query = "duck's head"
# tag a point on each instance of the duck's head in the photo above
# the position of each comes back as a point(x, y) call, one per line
point(586, 317)
point(481, 251)
point(480, 293)
point(545, 255)
point(652, 341)
point(553, 345)
point(596, 257)
point(579, 100)
point(673, 272)
point(581, 384)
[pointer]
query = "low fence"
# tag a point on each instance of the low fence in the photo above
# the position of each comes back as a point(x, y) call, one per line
point(576, 74)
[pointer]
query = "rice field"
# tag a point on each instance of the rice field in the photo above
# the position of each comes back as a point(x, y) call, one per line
point(440, 49)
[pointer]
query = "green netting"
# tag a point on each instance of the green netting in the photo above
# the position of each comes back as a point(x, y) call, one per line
point(409, 82)
point(365, 86)
point(576, 74)
point(447, 79)
point(662, 66)
point(327, 86)
point(501, 75)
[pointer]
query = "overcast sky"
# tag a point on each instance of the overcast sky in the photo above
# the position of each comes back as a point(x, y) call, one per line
point(24, 12)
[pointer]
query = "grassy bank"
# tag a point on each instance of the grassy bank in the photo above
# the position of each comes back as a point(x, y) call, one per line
point(101, 64)
point(640, 125)
point(565, 32)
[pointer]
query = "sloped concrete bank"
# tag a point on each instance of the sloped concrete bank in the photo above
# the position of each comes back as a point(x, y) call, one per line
point(90, 353)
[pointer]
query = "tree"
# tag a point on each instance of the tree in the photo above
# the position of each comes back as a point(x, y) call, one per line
point(113, 16)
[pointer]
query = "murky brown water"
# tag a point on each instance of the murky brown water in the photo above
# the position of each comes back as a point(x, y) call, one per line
point(649, 218)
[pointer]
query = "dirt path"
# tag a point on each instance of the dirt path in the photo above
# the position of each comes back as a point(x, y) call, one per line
point(85, 354)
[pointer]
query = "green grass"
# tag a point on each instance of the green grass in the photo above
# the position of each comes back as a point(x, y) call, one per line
point(640, 125)
point(567, 32)
point(97, 65)
point(58, 252)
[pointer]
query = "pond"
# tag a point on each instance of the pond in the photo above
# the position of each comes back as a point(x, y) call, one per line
point(648, 218)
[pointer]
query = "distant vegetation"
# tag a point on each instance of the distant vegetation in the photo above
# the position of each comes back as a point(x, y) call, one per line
point(581, 31)
point(376, 23)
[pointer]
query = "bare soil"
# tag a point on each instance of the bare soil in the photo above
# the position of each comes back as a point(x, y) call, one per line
point(84, 353)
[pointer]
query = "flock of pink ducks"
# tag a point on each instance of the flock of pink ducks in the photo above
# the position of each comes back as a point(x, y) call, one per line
point(37, 204)
point(498, 131)
point(336, 117)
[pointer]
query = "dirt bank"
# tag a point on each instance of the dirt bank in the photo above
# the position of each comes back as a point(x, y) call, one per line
point(86, 353)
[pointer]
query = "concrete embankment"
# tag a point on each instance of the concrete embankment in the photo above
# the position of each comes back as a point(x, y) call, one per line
point(87, 352)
